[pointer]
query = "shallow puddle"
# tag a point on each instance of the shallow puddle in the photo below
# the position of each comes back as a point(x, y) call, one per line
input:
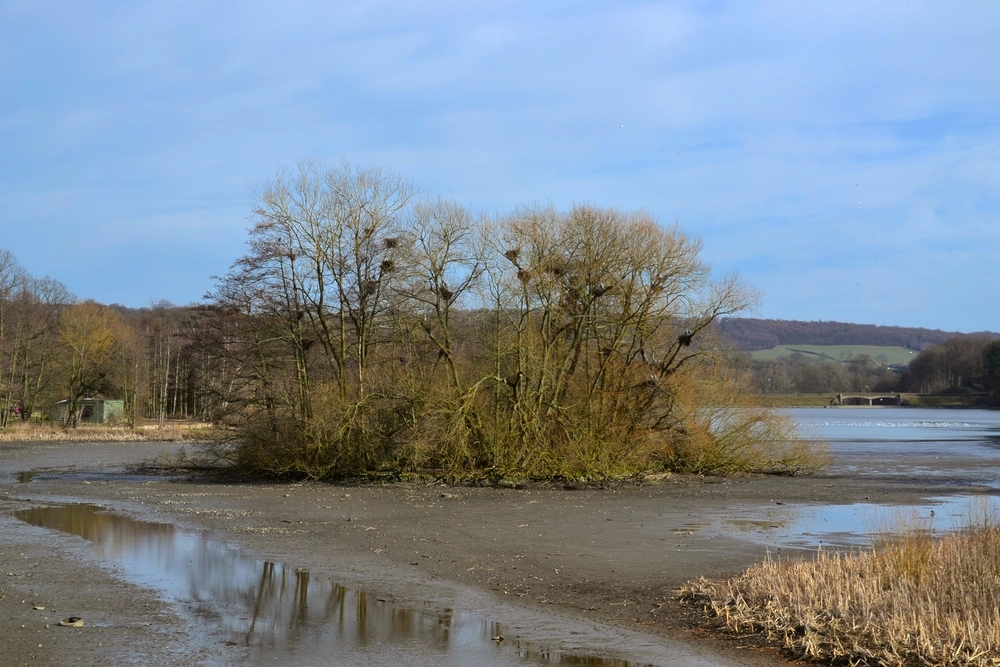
point(857, 524)
point(287, 613)
point(86, 476)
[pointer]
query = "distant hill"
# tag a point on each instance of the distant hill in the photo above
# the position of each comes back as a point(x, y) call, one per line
point(752, 334)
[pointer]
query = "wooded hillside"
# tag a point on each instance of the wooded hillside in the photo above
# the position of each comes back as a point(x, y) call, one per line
point(755, 334)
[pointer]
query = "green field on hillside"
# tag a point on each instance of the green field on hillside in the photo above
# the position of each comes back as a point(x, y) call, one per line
point(841, 353)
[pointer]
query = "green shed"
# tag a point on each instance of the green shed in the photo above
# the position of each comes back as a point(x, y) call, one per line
point(92, 411)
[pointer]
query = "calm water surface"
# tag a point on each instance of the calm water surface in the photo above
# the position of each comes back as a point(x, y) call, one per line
point(940, 447)
point(945, 446)
point(288, 615)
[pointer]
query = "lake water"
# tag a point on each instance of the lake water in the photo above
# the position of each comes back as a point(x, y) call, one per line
point(943, 448)
point(940, 446)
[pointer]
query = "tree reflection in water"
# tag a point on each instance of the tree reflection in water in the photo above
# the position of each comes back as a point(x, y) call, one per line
point(272, 606)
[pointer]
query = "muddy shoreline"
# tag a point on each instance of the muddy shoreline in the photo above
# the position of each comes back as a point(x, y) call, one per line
point(582, 571)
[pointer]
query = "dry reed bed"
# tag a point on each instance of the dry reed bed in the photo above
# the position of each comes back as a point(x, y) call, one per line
point(910, 600)
point(50, 433)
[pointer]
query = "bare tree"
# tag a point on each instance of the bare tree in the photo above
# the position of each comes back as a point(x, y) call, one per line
point(443, 266)
point(11, 276)
point(608, 307)
point(322, 256)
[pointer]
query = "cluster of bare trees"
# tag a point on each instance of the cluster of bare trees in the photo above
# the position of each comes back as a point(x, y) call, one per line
point(54, 348)
point(367, 329)
point(29, 319)
point(960, 364)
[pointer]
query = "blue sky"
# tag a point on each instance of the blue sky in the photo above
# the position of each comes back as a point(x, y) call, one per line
point(843, 157)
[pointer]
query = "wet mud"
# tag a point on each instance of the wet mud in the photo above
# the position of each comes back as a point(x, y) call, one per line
point(195, 572)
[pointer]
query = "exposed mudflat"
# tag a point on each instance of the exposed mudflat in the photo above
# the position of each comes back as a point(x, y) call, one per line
point(581, 573)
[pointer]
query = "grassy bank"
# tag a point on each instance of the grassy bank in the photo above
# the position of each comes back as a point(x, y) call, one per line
point(40, 432)
point(838, 353)
point(910, 600)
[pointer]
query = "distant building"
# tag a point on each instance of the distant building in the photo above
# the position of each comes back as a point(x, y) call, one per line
point(92, 411)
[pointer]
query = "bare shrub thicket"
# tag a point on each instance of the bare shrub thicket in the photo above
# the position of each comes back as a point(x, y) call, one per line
point(911, 600)
point(370, 331)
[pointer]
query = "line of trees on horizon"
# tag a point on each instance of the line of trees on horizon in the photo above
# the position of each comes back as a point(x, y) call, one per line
point(752, 334)
point(427, 289)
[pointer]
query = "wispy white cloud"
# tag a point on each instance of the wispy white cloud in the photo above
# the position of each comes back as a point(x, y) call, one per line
point(807, 144)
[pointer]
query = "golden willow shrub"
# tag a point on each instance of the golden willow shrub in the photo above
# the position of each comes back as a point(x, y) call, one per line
point(368, 333)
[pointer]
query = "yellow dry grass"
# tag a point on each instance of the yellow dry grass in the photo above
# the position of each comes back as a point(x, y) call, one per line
point(911, 599)
point(42, 432)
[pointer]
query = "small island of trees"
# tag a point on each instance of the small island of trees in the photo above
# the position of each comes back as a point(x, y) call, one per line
point(369, 331)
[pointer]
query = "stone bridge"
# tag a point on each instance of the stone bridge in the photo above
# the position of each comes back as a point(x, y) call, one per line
point(867, 399)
